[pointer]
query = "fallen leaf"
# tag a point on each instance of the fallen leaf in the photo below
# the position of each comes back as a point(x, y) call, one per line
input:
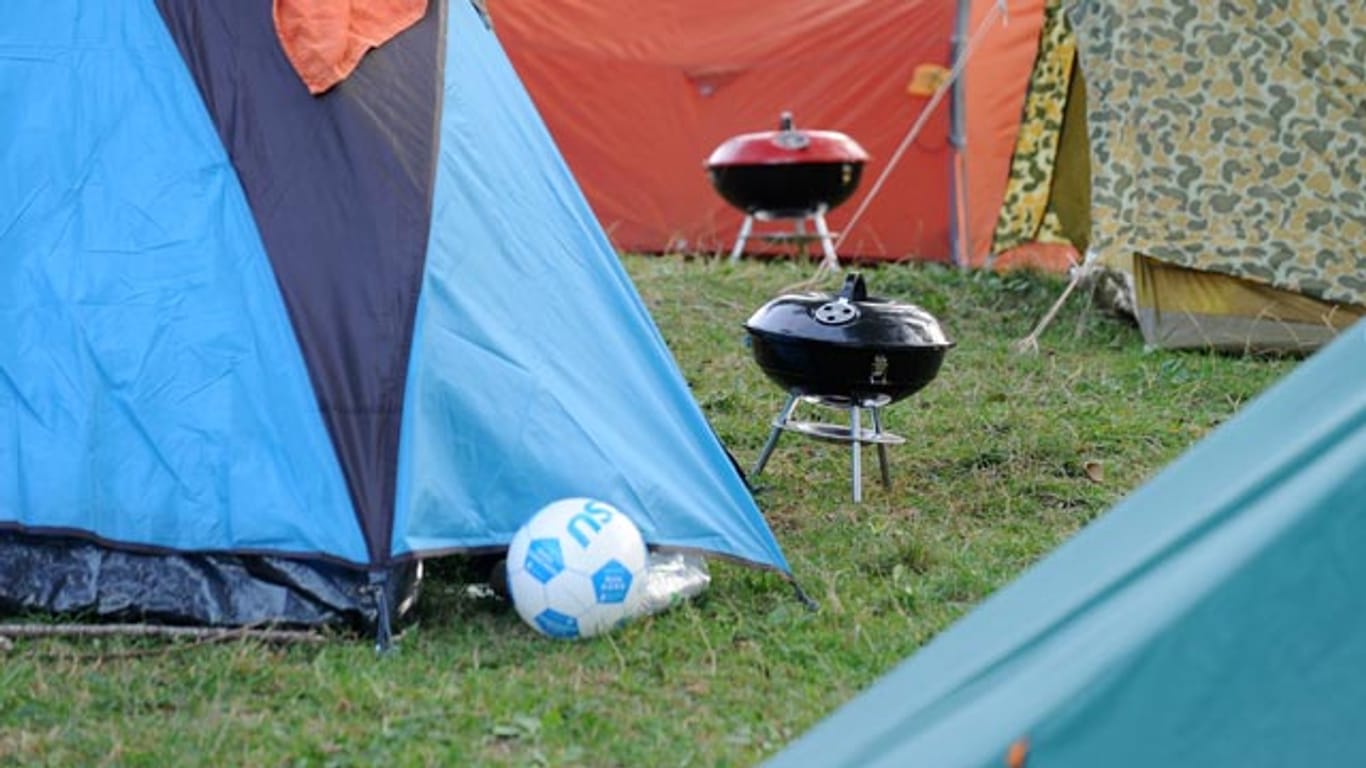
point(1094, 470)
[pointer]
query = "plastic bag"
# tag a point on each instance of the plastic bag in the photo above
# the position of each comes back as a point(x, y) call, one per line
point(671, 578)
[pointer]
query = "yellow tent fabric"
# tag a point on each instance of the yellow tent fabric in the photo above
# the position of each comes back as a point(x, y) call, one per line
point(1024, 214)
point(1180, 307)
point(1069, 203)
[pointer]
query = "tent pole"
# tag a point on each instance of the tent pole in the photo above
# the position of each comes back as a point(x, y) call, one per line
point(958, 140)
point(951, 86)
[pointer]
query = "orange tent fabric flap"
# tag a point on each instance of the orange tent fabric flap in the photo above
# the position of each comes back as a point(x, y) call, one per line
point(325, 39)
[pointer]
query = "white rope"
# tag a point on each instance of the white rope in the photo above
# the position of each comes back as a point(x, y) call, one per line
point(824, 268)
point(1030, 343)
point(911, 135)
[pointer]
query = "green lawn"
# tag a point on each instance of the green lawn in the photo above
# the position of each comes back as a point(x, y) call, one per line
point(993, 477)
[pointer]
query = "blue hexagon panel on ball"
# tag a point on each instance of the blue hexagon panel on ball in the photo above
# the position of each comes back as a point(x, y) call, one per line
point(577, 568)
point(544, 559)
point(612, 582)
point(555, 624)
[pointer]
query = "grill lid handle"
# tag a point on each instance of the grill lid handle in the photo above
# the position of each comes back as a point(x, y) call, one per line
point(854, 288)
point(788, 137)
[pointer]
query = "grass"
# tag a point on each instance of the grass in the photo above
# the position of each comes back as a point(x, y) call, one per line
point(1008, 456)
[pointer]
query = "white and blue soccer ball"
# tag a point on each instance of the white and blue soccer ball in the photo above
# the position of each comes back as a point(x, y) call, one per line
point(577, 568)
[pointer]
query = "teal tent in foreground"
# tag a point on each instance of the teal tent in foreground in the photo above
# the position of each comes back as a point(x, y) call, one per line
point(1216, 617)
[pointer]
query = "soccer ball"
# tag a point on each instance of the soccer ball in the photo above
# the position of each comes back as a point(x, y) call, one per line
point(577, 568)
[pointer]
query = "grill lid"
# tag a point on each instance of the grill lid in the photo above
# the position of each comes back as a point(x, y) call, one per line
point(850, 318)
point(787, 145)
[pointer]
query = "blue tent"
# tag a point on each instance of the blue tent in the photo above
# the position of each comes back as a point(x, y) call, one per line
point(1212, 618)
point(260, 350)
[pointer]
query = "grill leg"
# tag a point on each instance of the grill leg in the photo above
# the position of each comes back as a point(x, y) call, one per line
point(881, 449)
point(858, 453)
point(832, 260)
point(773, 436)
point(741, 238)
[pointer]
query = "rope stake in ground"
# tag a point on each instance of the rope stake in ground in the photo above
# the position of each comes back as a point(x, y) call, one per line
point(1030, 343)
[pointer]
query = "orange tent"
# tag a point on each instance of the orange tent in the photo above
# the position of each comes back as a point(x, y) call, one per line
point(638, 92)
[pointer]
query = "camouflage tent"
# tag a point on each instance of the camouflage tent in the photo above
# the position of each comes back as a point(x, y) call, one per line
point(1224, 145)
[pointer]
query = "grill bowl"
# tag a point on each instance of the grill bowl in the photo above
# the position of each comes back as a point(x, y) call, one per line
point(837, 372)
point(786, 191)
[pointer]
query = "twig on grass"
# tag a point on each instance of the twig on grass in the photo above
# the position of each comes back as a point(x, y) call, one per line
point(264, 634)
point(198, 635)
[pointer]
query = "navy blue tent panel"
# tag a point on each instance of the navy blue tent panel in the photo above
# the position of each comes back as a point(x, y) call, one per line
point(248, 334)
point(340, 188)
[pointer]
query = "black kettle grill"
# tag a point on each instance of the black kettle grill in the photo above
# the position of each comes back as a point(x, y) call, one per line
point(848, 351)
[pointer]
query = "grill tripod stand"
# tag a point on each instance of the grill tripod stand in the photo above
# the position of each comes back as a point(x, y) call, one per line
point(799, 235)
point(853, 434)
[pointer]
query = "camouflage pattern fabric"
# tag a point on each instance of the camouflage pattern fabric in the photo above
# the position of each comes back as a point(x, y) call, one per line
point(1024, 210)
point(1230, 137)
